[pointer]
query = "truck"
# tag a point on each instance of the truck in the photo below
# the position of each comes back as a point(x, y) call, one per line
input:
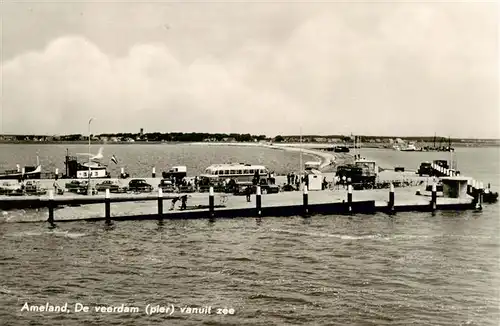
point(362, 174)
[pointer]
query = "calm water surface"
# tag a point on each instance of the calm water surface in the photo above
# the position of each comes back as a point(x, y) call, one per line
point(411, 269)
point(138, 160)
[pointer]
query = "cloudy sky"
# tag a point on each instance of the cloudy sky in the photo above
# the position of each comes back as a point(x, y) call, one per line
point(268, 67)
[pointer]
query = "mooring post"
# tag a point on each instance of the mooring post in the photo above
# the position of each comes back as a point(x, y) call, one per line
point(474, 192)
point(434, 197)
point(391, 199)
point(349, 198)
point(122, 173)
point(258, 201)
point(211, 201)
point(479, 191)
point(153, 175)
point(107, 206)
point(305, 197)
point(57, 174)
point(51, 207)
point(160, 203)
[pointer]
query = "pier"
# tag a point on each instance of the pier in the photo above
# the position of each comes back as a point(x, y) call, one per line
point(212, 205)
point(402, 192)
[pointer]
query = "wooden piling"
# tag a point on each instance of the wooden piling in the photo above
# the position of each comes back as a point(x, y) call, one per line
point(51, 207)
point(122, 173)
point(57, 174)
point(258, 201)
point(153, 174)
point(479, 202)
point(160, 203)
point(211, 202)
point(305, 197)
point(349, 198)
point(434, 197)
point(107, 206)
point(391, 199)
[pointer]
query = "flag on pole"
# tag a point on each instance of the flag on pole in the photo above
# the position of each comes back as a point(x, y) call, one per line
point(113, 158)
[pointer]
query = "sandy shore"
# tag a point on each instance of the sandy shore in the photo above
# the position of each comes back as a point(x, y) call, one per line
point(327, 159)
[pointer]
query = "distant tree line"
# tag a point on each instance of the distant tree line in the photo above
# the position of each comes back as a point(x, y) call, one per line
point(228, 137)
point(188, 137)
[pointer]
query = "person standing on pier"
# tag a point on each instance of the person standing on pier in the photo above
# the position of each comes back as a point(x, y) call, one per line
point(174, 200)
point(248, 192)
point(184, 202)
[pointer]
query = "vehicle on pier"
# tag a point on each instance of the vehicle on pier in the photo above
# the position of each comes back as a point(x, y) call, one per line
point(362, 174)
point(34, 188)
point(205, 181)
point(341, 149)
point(240, 188)
point(176, 173)
point(77, 186)
point(228, 177)
point(113, 186)
point(425, 169)
point(166, 185)
point(139, 185)
point(237, 171)
point(10, 188)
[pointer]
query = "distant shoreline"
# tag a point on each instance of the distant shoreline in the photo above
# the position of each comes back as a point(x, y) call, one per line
point(284, 144)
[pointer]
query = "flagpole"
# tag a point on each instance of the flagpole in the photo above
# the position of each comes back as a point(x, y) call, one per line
point(88, 186)
point(300, 168)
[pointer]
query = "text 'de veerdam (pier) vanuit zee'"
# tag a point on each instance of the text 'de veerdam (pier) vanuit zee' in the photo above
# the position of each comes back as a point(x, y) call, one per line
point(167, 309)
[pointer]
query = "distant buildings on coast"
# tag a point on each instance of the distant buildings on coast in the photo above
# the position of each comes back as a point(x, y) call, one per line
point(364, 141)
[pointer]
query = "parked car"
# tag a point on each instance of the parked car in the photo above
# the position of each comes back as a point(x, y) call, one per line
point(139, 185)
point(34, 188)
point(112, 185)
point(239, 188)
point(73, 185)
point(78, 187)
point(425, 169)
point(10, 188)
point(166, 185)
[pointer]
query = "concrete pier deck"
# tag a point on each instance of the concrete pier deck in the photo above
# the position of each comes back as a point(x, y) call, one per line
point(281, 204)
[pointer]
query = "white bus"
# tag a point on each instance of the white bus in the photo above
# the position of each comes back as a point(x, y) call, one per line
point(238, 171)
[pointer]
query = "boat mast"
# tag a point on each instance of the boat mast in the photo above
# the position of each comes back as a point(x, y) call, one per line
point(300, 167)
point(88, 186)
point(451, 154)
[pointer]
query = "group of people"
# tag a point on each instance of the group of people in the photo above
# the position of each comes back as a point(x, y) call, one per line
point(294, 179)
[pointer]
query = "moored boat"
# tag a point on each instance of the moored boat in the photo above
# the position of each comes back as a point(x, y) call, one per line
point(27, 172)
point(77, 170)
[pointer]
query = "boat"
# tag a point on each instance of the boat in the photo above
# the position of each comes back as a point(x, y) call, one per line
point(489, 196)
point(409, 148)
point(77, 170)
point(27, 172)
point(341, 149)
point(439, 148)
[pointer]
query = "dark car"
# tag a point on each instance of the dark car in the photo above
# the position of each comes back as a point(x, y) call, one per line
point(113, 186)
point(78, 187)
point(425, 169)
point(139, 185)
point(240, 188)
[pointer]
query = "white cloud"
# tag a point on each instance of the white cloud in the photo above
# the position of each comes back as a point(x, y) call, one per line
point(413, 68)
